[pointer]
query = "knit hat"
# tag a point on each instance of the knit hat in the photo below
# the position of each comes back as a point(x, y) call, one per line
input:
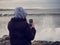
point(20, 13)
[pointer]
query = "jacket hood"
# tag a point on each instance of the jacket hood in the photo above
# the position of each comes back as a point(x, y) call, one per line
point(20, 13)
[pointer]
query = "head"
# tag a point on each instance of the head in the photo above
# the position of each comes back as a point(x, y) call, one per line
point(20, 13)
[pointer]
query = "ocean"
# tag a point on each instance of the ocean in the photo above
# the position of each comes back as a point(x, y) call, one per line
point(47, 26)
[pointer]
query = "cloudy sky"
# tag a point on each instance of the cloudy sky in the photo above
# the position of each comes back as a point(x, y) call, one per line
point(42, 4)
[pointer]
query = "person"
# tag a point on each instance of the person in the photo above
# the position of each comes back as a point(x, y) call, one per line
point(19, 30)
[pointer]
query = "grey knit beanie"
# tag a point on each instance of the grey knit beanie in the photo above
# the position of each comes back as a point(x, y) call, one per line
point(20, 13)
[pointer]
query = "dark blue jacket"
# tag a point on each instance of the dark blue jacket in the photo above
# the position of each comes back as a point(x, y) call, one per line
point(20, 32)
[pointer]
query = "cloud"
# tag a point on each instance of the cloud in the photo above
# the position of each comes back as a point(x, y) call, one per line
point(31, 3)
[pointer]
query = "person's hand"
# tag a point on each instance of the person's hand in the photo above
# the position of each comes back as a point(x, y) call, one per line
point(32, 25)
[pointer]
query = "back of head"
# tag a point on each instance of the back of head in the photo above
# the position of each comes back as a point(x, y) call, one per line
point(20, 13)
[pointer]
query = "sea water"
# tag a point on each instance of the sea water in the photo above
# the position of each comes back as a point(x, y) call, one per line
point(47, 26)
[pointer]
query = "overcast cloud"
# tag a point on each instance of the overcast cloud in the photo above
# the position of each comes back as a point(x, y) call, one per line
point(30, 3)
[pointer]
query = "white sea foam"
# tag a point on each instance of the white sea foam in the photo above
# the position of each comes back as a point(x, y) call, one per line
point(45, 27)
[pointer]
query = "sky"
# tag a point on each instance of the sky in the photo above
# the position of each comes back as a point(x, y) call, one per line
point(42, 4)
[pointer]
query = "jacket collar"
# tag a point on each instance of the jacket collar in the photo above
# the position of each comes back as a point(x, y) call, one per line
point(18, 19)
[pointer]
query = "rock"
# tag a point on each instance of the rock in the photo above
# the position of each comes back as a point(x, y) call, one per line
point(37, 43)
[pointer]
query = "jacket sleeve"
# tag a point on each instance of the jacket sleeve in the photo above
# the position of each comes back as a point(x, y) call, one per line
point(30, 33)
